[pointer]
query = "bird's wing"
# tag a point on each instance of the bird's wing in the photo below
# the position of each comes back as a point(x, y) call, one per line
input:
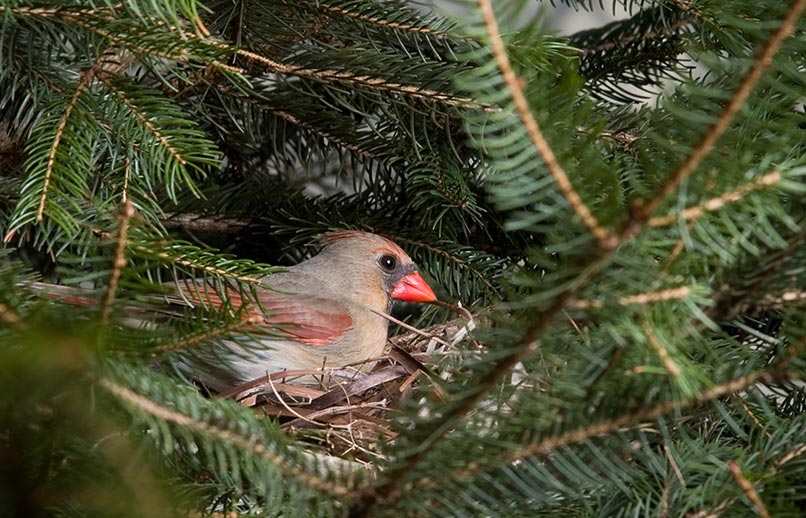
point(302, 317)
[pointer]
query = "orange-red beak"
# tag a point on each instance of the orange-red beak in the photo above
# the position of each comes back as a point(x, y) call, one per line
point(413, 288)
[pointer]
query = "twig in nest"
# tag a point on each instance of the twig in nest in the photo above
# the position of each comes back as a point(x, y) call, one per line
point(413, 329)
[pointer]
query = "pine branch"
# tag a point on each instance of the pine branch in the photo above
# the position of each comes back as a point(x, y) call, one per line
point(248, 444)
point(527, 344)
point(602, 234)
point(83, 83)
point(692, 213)
point(776, 372)
point(644, 210)
point(126, 214)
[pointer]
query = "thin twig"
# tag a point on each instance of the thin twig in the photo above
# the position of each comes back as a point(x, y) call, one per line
point(747, 487)
point(604, 236)
point(680, 292)
point(408, 327)
point(246, 443)
point(127, 212)
point(763, 60)
point(660, 350)
point(692, 213)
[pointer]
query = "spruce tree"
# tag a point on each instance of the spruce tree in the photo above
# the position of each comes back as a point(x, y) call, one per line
point(614, 220)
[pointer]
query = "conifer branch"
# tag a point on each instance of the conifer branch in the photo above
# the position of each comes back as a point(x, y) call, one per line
point(763, 60)
point(11, 318)
point(373, 82)
point(380, 22)
point(603, 235)
point(204, 336)
point(774, 372)
point(528, 341)
point(247, 444)
point(143, 119)
point(79, 19)
point(83, 83)
point(747, 487)
point(750, 414)
point(680, 292)
point(660, 350)
point(198, 266)
point(713, 204)
point(727, 304)
point(127, 212)
point(293, 119)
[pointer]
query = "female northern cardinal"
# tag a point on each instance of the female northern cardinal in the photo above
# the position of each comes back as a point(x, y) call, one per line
point(320, 313)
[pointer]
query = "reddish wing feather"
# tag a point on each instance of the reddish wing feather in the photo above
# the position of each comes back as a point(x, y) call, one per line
point(305, 318)
point(309, 319)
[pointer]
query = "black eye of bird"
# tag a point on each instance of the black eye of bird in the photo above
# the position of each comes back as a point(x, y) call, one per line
point(388, 262)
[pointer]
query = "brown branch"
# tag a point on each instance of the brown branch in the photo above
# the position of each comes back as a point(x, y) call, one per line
point(127, 212)
point(143, 119)
point(644, 211)
point(603, 235)
point(779, 301)
point(797, 452)
point(209, 335)
point(373, 82)
point(692, 213)
point(84, 81)
point(245, 443)
point(380, 22)
point(200, 223)
point(11, 318)
point(638, 299)
point(660, 350)
point(747, 487)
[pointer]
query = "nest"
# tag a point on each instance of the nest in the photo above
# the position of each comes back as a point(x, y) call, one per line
point(346, 413)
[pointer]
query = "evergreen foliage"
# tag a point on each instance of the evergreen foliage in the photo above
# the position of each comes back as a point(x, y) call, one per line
point(635, 270)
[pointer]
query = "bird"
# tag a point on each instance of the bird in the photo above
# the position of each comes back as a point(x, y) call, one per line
point(325, 312)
